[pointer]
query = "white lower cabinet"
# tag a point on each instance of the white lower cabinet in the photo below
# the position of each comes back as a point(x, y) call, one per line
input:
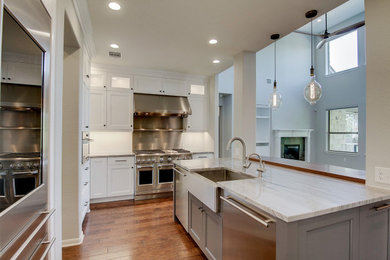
point(112, 177)
point(85, 185)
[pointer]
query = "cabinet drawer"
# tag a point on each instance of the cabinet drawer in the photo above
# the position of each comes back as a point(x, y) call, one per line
point(125, 161)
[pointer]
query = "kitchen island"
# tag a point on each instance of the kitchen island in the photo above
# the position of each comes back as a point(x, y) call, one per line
point(310, 216)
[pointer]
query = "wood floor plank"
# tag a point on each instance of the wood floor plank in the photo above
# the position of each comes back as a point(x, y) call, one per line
point(129, 230)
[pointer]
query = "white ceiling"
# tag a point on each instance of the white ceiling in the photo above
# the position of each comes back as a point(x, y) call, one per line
point(173, 34)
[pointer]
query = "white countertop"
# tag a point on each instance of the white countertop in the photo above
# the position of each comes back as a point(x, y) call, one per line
point(110, 155)
point(290, 195)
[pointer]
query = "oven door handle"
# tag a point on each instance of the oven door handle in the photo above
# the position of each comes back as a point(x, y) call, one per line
point(25, 172)
point(164, 165)
point(143, 167)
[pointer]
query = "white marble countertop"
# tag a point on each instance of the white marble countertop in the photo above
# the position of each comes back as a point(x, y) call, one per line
point(290, 195)
point(110, 155)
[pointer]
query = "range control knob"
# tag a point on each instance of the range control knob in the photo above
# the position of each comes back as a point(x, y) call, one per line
point(169, 159)
point(161, 159)
point(36, 164)
point(18, 165)
point(1, 166)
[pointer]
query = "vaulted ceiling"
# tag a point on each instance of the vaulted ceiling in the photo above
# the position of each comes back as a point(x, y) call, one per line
point(173, 34)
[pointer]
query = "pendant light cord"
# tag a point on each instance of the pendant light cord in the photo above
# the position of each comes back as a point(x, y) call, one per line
point(275, 63)
point(311, 41)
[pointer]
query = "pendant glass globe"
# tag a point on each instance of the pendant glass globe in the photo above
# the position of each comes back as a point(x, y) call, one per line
point(275, 99)
point(313, 91)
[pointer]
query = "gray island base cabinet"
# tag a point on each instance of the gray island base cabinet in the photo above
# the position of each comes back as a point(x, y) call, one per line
point(360, 233)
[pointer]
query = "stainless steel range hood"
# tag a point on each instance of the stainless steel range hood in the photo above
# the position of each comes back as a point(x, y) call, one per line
point(156, 105)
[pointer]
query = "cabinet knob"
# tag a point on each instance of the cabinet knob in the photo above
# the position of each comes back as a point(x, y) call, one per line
point(104, 125)
point(87, 76)
point(9, 78)
point(86, 126)
point(3, 78)
point(104, 86)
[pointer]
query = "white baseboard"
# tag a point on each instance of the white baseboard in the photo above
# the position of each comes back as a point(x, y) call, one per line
point(73, 241)
point(100, 200)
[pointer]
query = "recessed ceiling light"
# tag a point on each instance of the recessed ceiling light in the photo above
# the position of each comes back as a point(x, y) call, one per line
point(216, 61)
point(114, 45)
point(319, 20)
point(213, 41)
point(114, 6)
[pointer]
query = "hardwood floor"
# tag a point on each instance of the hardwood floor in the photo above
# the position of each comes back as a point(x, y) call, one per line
point(131, 230)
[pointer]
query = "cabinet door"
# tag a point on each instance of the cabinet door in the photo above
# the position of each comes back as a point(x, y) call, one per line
point(120, 180)
point(181, 198)
point(374, 233)
point(212, 234)
point(148, 85)
point(86, 68)
point(98, 79)
point(173, 87)
point(98, 107)
point(197, 121)
point(119, 82)
point(99, 178)
point(85, 106)
point(195, 224)
point(24, 73)
point(4, 67)
point(119, 110)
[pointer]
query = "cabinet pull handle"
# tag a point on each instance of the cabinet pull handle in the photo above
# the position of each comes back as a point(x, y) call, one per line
point(50, 243)
point(85, 203)
point(180, 172)
point(86, 168)
point(9, 78)
point(120, 160)
point(386, 206)
point(87, 76)
point(85, 183)
point(264, 222)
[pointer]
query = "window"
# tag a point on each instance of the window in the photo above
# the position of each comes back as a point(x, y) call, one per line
point(343, 53)
point(343, 134)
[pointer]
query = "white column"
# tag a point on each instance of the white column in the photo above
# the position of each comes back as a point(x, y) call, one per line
point(378, 91)
point(244, 104)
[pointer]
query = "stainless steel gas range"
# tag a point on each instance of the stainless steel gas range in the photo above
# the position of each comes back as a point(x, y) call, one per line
point(154, 174)
point(20, 173)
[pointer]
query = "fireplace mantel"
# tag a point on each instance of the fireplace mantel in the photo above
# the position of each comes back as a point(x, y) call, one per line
point(279, 133)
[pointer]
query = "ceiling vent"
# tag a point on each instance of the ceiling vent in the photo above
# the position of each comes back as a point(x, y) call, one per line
point(114, 54)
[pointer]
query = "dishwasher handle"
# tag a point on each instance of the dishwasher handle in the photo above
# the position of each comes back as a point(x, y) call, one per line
point(264, 222)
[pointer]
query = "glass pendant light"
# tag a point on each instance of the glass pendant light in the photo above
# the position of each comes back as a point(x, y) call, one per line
point(275, 99)
point(313, 90)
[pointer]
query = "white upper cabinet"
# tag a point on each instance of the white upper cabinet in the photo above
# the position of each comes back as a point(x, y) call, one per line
point(86, 68)
point(85, 115)
point(197, 121)
point(98, 79)
point(98, 108)
point(120, 82)
point(174, 87)
point(148, 85)
point(111, 110)
point(160, 86)
point(21, 73)
point(119, 110)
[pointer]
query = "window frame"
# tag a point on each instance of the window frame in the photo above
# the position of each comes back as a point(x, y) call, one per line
point(327, 53)
point(329, 132)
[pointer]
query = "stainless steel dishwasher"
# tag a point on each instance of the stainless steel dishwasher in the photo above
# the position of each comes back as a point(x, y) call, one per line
point(247, 233)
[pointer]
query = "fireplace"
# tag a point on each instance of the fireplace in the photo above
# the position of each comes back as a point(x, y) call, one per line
point(292, 144)
point(293, 148)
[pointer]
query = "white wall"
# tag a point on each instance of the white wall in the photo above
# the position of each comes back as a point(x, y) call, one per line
point(378, 90)
point(71, 228)
point(293, 64)
point(344, 89)
point(106, 143)
point(226, 81)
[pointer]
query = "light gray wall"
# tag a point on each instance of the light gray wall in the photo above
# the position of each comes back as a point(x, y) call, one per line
point(293, 64)
point(378, 90)
point(226, 81)
point(343, 89)
point(226, 101)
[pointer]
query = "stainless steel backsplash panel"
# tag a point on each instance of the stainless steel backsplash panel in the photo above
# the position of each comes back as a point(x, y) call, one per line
point(12, 118)
point(158, 122)
point(20, 141)
point(20, 95)
point(156, 140)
